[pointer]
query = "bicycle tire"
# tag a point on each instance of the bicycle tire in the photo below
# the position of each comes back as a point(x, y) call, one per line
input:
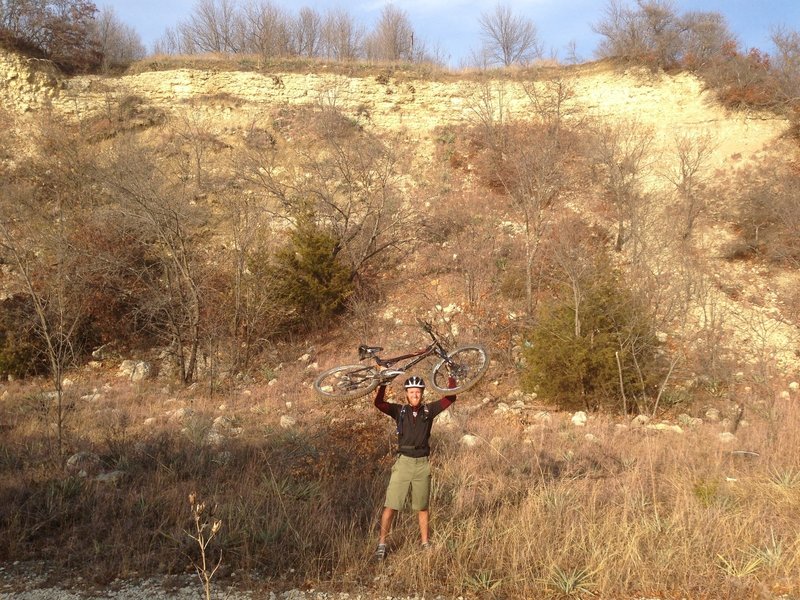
point(468, 364)
point(346, 382)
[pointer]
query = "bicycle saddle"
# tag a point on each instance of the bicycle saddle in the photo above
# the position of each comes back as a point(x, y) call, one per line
point(365, 351)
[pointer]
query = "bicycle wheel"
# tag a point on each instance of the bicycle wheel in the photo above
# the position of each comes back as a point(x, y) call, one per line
point(466, 364)
point(346, 383)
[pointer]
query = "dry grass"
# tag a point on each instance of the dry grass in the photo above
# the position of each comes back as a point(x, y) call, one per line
point(542, 513)
point(397, 71)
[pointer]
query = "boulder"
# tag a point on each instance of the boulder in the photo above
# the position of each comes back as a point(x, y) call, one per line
point(469, 440)
point(83, 464)
point(579, 419)
point(112, 477)
point(666, 427)
point(135, 370)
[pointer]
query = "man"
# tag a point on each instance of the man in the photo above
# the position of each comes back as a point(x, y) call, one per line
point(411, 469)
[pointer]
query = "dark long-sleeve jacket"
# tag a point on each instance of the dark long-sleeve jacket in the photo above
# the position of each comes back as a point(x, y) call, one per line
point(413, 431)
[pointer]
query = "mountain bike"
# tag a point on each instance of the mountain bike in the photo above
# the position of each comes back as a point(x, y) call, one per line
point(466, 365)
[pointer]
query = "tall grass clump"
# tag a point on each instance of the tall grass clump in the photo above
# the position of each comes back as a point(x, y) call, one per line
point(536, 512)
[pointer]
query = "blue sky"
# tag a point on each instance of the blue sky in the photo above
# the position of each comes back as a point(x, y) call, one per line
point(452, 25)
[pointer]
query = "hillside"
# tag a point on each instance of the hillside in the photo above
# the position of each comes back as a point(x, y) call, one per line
point(201, 175)
point(393, 102)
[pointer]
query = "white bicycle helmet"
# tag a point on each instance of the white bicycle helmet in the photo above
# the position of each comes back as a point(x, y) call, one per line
point(414, 382)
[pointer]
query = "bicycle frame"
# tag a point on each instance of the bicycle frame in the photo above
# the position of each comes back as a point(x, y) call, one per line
point(435, 348)
point(462, 368)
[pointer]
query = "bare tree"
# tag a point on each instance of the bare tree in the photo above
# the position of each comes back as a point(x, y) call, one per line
point(119, 43)
point(171, 42)
point(704, 38)
point(533, 168)
point(393, 37)
point(267, 30)
point(55, 29)
point(689, 177)
point(38, 208)
point(345, 181)
point(508, 38)
point(342, 37)
point(787, 65)
point(157, 207)
point(650, 34)
point(307, 33)
point(622, 151)
point(214, 26)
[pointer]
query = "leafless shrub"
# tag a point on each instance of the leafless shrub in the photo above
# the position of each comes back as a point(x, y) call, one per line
point(508, 38)
point(307, 33)
point(342, 178)
point(268, 30)
point(393, 37)
point(342, 36)
point(119, 43)
point(689, 178)
point(41, 205)
point(768, 214)
point(622, 152)
point(649, 33)
point(786, 64)
point(177, 276)
point(705, 36)
point(59, 30)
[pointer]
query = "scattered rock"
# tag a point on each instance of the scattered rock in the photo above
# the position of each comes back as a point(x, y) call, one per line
point(689, 421)
point(666, 427)
point(112, 477)
point(469, 440)
point(213, 438)
point(445, 418)
point(141, 371)
point(640, 420)
point(83, 464)
point(181, 414)
point(712, 414)
point(135, 370)
point(502, 408)
point(287, 422)
point(726, 437)
point(579, 419)
point(224, 457)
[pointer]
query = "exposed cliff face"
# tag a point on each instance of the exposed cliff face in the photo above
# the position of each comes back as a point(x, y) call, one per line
point(27, 83)
point(669, 104)
point(232, 101)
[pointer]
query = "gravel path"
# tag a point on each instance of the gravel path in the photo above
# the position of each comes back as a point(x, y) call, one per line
point(20, 581)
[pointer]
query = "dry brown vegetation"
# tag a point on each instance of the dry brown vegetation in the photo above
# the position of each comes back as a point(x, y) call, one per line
point(224, 255)
point(621, 513)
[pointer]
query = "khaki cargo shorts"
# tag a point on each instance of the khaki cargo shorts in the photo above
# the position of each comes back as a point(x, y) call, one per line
point(409, 472)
